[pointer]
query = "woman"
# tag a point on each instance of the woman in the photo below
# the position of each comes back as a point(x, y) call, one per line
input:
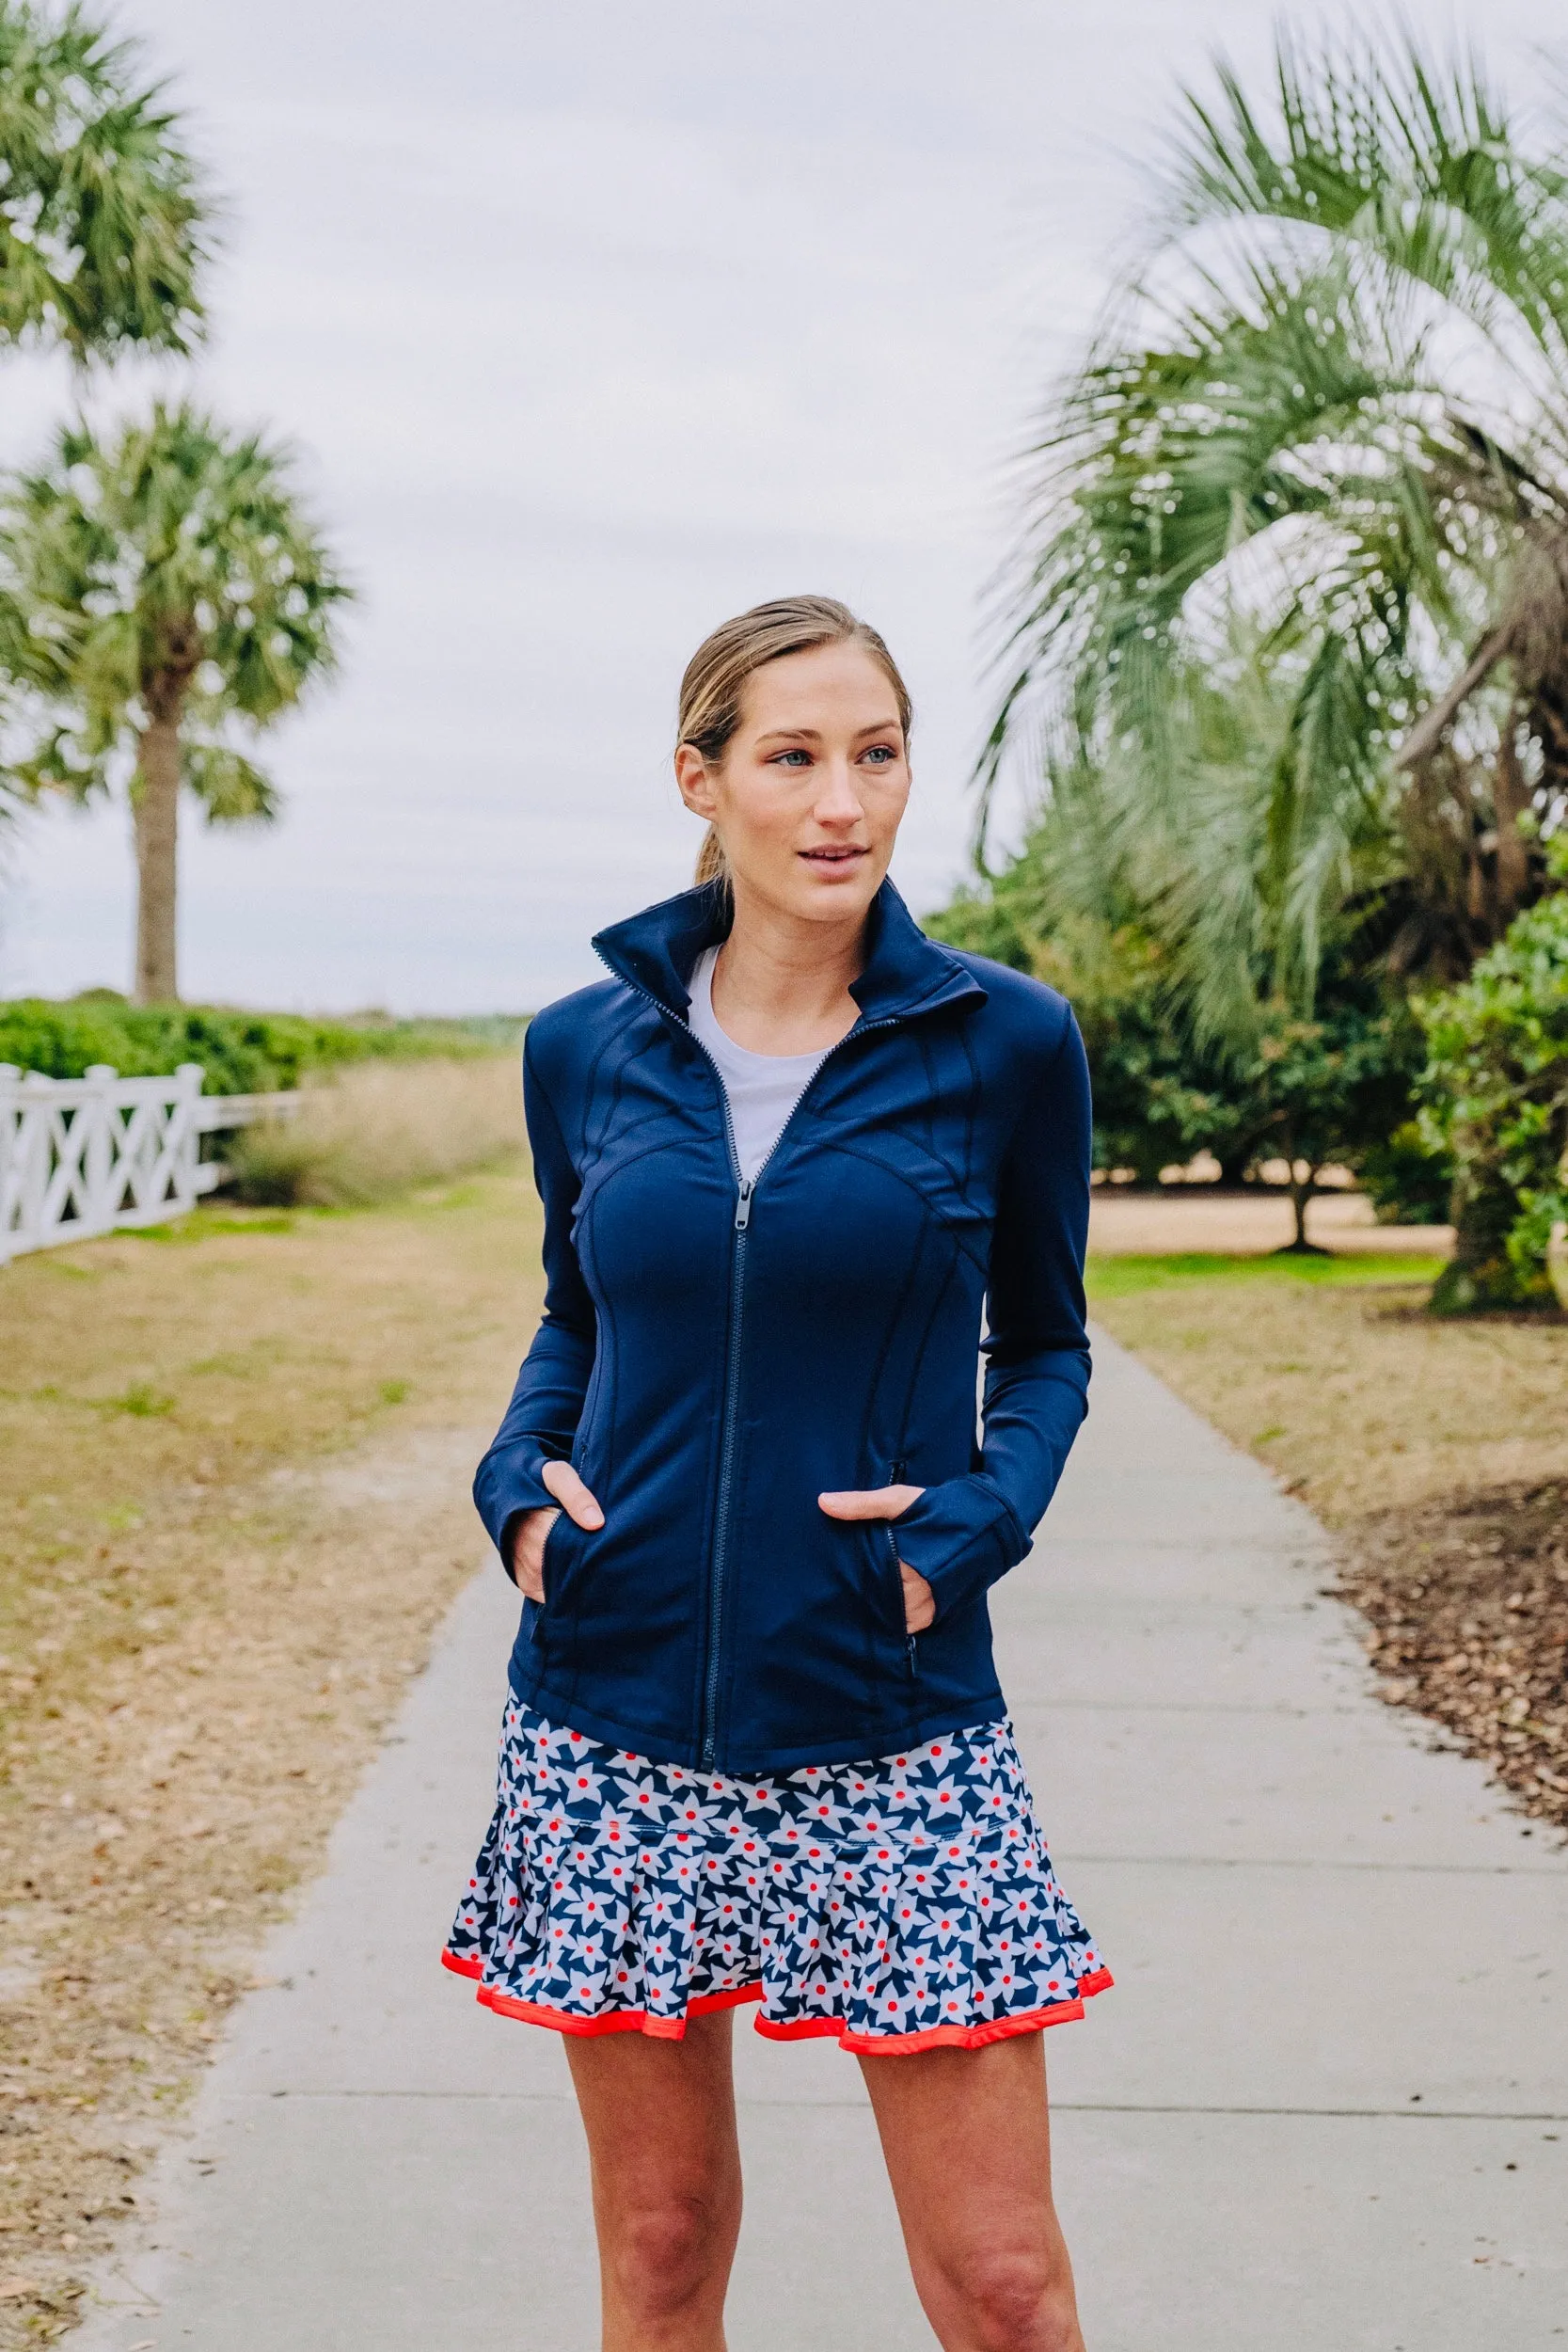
point(754, 1750)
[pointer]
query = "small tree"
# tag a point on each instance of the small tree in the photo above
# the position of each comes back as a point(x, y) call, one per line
point(163, 598)
point(102, 209)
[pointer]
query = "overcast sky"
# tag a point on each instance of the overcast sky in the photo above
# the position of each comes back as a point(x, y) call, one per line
point(594, 325)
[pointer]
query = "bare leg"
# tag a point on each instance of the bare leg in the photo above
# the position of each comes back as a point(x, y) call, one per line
point(661, 2138)
point(967, 2139)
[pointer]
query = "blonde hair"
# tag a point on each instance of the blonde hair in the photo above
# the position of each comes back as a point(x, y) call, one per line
point(716, 676)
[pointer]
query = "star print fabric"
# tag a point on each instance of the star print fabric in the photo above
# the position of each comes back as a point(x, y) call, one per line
point(899, 1905)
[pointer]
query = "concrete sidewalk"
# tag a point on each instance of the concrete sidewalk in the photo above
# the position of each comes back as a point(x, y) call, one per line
point(1326, 2107)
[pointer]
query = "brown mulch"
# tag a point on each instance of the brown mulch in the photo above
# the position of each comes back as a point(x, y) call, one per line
point(1467, 1600)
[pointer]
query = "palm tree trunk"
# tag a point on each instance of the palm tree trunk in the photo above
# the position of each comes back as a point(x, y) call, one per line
point(1511, 798)
point(1480, 1273)
point(156, 806)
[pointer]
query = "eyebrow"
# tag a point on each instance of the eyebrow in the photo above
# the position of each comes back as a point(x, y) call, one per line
point(813, 734)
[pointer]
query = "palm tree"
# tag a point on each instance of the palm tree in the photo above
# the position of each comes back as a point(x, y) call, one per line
point(102, 211)
point(163, 598)
point(1328, 424)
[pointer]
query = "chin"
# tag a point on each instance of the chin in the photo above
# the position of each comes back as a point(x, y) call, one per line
point(848, 893)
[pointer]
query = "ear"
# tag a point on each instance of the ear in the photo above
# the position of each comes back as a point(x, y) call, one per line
point(695, 781)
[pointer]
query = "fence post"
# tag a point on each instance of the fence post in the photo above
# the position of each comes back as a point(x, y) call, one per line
point(10, 1171)
point(98, 1152)
point(32, 1156)
point(186, 1140)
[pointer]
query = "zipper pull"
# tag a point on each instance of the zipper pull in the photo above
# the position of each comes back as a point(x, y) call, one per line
point(743, 1205)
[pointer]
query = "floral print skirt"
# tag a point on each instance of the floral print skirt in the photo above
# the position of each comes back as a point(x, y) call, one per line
point(899, 1905)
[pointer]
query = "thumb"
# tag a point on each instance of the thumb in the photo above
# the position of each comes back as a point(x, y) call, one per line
point(573, 1496)
point(864, 1503)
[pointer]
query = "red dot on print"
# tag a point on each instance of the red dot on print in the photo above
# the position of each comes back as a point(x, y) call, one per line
point(822, 1987)
point(620, 1976)
point(905, 1914)
point(1055, 1985)
point(901, 1761)
point(577, 1739)
point(892, 2009)
point(935, 1750)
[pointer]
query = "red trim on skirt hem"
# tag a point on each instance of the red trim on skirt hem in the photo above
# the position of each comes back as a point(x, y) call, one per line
point(804, 2029)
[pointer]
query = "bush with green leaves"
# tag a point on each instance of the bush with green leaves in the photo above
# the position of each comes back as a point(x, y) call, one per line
point(241, 1053)
point(1327, 1085)
point(1496, 1097)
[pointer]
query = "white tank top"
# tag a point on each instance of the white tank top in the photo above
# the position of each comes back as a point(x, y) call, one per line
point(762, 1089)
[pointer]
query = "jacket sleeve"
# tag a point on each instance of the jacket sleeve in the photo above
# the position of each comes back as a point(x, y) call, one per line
point(966, 1533)
point(546, 1404)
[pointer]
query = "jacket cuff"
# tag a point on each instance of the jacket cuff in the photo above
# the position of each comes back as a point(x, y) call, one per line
point(961, 1537)
point(509, 1482)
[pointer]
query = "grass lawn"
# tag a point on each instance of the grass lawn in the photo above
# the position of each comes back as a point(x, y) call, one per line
point(1438, 1451)
point(235, 1462)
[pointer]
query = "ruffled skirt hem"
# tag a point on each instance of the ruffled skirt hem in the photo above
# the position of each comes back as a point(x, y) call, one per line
point(661, 2028)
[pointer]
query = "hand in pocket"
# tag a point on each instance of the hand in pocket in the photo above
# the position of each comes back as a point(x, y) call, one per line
point(533, 1527)
point(888, 1502)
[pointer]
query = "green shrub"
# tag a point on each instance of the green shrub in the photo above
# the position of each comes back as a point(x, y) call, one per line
point(241, 1053)
point(1407, 1182)
point(1495, 1093)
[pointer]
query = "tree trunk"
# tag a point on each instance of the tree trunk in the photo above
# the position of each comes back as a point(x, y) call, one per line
point(1303, 1189)
point(1481, 1273)
point(155, 802)
point(1511, 798)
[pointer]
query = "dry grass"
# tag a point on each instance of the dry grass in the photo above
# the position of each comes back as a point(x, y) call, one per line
point(1343, 1386)
point(236, 1466)
point(1190, 1217)
point(375, 1128)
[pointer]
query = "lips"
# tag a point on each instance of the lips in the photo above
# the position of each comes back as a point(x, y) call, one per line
point(836, 854)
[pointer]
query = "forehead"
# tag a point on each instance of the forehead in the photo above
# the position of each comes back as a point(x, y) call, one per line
point(826, 685)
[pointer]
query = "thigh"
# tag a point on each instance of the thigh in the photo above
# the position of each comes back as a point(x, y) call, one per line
point(967, 2139)
point(659, 2115)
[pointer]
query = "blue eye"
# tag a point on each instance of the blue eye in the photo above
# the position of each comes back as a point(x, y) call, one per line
point(882, 753)
point(795, 757)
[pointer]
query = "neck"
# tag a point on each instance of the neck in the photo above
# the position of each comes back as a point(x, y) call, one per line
point(780, 984)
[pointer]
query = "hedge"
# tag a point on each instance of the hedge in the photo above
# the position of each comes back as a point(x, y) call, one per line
point(242, 1053)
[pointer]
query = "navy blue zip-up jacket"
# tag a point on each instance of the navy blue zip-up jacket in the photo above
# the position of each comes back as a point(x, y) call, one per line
point(714, 1354)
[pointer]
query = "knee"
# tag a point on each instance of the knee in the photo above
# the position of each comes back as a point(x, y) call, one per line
point(1019, 2299)
point(666, 2252)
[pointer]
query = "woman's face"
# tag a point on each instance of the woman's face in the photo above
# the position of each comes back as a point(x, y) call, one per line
point(809, 794)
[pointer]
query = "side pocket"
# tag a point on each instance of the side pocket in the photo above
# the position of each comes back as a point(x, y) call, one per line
point(911, 1654)
point(553, 1568)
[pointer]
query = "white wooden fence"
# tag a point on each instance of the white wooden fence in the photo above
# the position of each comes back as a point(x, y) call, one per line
point(89, 1155)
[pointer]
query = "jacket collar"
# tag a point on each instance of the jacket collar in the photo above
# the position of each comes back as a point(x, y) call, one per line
point(905, 972)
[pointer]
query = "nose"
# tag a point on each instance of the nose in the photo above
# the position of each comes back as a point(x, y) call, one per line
point(838, 800)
